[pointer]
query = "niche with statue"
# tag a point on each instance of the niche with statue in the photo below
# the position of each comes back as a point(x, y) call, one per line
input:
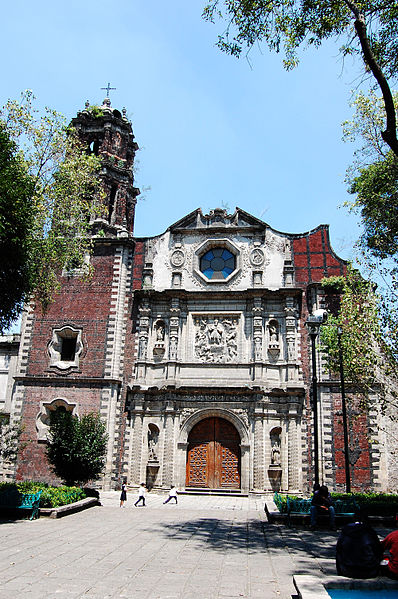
point(153, 460)
point(275, 466)
point(159, 334)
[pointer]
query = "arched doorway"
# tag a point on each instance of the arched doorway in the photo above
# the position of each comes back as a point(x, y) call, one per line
point(213, 455)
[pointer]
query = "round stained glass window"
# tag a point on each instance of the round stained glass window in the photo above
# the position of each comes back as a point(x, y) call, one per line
point(217, 263)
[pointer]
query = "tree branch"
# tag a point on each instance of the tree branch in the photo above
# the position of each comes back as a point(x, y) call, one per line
point(390, 134)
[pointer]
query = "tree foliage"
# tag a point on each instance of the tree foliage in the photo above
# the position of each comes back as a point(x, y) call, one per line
point(17, 215)
point(10, 434)
point(77, 446)
point(369, 363)
point(373, 177)
point(365, 28)
point(57, 190)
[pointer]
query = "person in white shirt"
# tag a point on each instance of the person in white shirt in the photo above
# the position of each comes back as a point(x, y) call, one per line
point(141, 495)
point(172, 495)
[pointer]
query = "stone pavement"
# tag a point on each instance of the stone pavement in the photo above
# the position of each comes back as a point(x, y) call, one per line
point(204, 548)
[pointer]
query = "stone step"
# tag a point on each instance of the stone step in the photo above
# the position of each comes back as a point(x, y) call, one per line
point(205, 491)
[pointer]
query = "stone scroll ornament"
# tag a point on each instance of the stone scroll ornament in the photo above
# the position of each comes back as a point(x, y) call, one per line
point(216, 339)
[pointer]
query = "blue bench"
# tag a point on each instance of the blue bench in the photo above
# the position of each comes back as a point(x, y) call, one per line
point(302, 507)
point(12, 499)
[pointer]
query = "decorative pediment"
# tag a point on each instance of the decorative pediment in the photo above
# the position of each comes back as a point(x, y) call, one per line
point(218, 219)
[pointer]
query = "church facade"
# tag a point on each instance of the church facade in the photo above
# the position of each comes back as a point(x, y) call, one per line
point(192, 346)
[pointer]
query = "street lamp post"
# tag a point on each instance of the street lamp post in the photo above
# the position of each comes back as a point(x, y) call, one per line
point(344, 411)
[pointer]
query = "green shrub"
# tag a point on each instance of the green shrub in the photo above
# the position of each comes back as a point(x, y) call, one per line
point(51, 496)
point(57, 496)
point(372, 504)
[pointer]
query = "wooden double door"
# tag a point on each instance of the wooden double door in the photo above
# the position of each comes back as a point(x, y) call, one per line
point(213, 457)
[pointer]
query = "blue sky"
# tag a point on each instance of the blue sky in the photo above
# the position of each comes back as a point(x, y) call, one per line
point(212, 130)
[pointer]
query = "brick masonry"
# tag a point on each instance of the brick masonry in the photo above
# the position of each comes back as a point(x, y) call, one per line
point(140, 363)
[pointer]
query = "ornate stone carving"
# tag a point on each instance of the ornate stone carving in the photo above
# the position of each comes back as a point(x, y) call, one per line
point(273, 328)
point(142, 348)
point(191, 265)
point(177, 258)
point(216, 339)
point(257, 257)
point(274, 242)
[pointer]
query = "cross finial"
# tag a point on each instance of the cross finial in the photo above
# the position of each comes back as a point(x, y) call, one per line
point(108, 89)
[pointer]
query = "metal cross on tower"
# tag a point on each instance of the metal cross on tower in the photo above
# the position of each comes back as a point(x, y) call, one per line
point(108, 89)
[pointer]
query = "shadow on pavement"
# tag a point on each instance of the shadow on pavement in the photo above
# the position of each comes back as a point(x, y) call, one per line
point(252, 536)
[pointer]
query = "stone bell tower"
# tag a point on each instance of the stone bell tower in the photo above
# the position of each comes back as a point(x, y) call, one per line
point(77, 355)
point(109, 135)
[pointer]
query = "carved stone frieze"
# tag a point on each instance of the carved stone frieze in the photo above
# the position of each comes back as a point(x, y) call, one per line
point(216, 338)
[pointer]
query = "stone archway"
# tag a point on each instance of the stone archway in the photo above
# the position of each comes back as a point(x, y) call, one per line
point(213, 455)
point(243, 440)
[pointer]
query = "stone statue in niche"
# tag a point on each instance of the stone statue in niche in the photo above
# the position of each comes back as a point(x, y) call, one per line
point(276, 447)
point(273, 328)
point(159, 332)
point(142, 351)
point(153, 438)
point(216, 340)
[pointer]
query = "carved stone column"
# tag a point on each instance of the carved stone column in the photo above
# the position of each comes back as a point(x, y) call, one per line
point(144, 313)
point(258, 473)
point(136, 466)
point(258, 335)
point(293, 453)
point(174, 331)
point(168, 447)
point(291, 335)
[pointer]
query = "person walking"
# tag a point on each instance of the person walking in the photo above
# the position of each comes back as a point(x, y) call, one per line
point(172, 495)
point(123, 494)
point(141, 495)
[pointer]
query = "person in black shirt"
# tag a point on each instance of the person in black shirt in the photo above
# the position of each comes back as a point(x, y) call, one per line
point(358, 551)
point(322, 504)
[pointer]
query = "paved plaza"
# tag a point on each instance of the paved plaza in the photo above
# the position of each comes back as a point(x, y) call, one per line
point(207, 547)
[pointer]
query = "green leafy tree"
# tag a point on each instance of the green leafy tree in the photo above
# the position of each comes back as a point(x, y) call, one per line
point(17, 214)
point(373, 179)
point(10, 434)
point(47, 211)
point(77, 446)
point(365, 28)
point(370, 366)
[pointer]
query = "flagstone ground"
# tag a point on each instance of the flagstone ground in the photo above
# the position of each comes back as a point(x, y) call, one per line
point(203, 548)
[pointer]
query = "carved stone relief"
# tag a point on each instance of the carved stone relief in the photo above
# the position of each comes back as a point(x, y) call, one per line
point(177, 258)
point(216, 338)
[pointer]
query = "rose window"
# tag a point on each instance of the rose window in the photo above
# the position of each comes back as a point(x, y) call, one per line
point(217, 263)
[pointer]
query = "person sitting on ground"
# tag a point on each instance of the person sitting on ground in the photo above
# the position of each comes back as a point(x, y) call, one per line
point(322, 504)
point(390, 545)
point(358, 550)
